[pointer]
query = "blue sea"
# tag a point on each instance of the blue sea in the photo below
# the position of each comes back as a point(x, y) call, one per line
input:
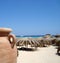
point(33, 36)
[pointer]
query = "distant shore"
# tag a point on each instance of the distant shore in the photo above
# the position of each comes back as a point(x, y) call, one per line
point(33, 36)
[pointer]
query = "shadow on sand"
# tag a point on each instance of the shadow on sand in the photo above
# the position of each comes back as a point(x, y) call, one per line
point(26, 49)
point(58, 54)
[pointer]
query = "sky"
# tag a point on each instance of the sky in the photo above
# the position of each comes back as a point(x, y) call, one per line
point(30, 17)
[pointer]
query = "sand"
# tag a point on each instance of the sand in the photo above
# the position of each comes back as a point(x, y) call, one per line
point(41, 55)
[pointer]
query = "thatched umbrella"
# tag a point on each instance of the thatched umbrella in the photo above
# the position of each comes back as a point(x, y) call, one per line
point(34, 41)
point(57, 42)
point(49, 39)
point(27, 41)
point(40, 40)
point(57, 36)
point(57, 39)
point(47, 36)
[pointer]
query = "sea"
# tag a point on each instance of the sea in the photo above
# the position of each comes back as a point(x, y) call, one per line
point(33, 36)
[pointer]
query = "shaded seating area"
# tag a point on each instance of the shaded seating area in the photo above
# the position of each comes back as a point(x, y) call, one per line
point(27, 42)
point(33, 42)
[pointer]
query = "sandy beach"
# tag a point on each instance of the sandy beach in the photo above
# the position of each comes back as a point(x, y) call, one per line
point(41, 55)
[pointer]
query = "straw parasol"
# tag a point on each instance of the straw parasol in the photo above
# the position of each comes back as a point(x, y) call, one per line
point(27, 41)
point(40, 40)
point(49, 39)
point(57, 36)
point(57, 42)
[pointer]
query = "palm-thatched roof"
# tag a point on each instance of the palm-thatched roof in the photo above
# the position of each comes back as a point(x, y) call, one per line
point(58, 35)
point(27, 41)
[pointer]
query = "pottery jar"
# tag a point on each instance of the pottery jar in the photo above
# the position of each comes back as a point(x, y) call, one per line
point(8, 49)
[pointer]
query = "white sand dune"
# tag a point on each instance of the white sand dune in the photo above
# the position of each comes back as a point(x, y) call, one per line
point(42, 55)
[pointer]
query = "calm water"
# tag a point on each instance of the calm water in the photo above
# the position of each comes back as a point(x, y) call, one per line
point(33, 36)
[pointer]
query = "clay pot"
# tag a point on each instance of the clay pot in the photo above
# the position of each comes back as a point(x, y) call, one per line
point(8, 49)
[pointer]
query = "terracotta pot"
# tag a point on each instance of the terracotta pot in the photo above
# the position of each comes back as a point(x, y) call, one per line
point(8, 49)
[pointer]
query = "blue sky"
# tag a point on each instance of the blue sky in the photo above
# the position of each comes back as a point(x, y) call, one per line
point(30, 17)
